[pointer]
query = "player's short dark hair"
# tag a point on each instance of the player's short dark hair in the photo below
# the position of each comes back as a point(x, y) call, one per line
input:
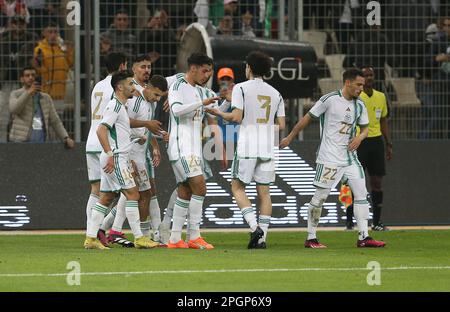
point(159, 82)
point(119, 77)
point(114, 60)
point(27, 68)
point(259, 62)
point(51, 24)
point(351, 74)
point(199, 59)
point(141, 58)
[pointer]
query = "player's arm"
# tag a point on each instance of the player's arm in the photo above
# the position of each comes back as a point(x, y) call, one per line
point(384, 126)
point(156, 152)
point(281, 122)
point(386, 134)
point(299, 126)
point(102, 133)
point(154, 126)
point(356, 141)
point(363, 123)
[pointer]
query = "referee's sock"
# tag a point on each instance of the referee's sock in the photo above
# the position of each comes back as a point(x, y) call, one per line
point(377, 204)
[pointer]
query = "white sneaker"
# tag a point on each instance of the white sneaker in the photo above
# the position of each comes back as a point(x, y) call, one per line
point(164, 233)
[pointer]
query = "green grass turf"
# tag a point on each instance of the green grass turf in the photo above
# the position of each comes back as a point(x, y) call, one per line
point(51, 253)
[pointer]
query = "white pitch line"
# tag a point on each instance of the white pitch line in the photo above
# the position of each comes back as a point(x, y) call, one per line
point(401, 268)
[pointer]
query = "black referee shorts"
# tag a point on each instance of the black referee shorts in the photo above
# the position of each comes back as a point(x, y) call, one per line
point(371, 156)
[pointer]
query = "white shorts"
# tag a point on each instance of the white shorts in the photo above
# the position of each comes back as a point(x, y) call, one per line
point(145, 172)
point(120, 178)
point(93, 167)
point(329, 175)
point(207, 172)
point(187, 167)
point(253, 169)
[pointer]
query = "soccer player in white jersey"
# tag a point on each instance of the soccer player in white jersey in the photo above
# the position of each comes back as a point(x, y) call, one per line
point(143, 108)
point(205, 93)
point(339, 113)
point(254, 158)
point(114, 136)
point(185, 150)
point(101, 95)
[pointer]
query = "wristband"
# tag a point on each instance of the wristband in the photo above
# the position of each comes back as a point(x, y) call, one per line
point(110, 154)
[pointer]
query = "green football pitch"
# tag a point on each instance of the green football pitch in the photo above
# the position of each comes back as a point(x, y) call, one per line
point(413, 260)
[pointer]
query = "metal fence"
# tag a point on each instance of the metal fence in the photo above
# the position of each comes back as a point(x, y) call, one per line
point(409, 49)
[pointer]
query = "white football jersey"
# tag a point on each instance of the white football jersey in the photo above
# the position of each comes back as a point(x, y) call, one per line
point(185, 131)
point(174, 78)
point(116, 119)
point(140, 109)
point(338, 120)
point(261, 104)
point(101, 95)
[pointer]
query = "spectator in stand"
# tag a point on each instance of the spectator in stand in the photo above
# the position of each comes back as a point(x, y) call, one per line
point(15, 8)
point(179, 12)
point(159, 41)
point(105, 49)
point(16, 51)
point(33, 113)
point(53, 58)
point(371, 46)
point(439, 62)
point(41, 12)
point(225, 26)
point(122, 38)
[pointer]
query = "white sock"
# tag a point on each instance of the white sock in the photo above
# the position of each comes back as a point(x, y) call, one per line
point(250, 217)
point(314, 213)
point(169, 210)
point(179, 217)
point(361, 212)
point(195, 216)
point(109, 220)
point(132, 213)
point(155, 214)
point(264, 222)
point(98, 214)
point(93, 199)
point(145, 228)
point(120, 214)
point(188, 227)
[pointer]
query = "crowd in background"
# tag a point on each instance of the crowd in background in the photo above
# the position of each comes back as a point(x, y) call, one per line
point(413, 38)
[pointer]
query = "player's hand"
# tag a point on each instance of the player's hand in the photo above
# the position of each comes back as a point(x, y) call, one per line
point(165, 136)
point(209, 101)
point(388, 152)
point(285, 142)
point(69, 143)
point(35, 88)
point(213, 111)
point(154, 126)
point(109, 168)
point(156, 157)
point(354, 144)
point(142, 140)
point(166, 106)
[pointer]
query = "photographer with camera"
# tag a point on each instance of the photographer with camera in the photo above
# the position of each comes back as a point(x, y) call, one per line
point(33, 113)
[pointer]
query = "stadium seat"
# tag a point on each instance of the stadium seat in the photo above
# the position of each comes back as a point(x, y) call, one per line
point(335, 65)
point(405, 89)
point(406, 107)
point(328, 85)
point(318, 40)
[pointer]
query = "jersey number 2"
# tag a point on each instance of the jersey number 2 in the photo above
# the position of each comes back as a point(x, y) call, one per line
point(96, 116)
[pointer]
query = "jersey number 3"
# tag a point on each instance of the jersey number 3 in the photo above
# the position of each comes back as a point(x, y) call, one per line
point(265, 101)
point(96, 116)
